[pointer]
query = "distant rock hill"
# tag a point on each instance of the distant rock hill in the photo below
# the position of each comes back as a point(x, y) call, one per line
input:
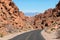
point(12, 20)
point(31, 13)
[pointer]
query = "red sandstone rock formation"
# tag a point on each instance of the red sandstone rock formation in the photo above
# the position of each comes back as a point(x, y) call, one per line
point(48, 18)
point(12, 20)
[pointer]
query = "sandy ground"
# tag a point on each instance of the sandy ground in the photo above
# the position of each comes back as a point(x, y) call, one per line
point(13, 35)
point(51, 36)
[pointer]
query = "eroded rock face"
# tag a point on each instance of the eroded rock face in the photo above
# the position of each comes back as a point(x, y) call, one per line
point(11, 19)
point(58, 6)
point(48, 18)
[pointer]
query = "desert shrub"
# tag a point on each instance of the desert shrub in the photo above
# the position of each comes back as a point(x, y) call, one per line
point(1, 35)
point(52, 29)
point(10, 28)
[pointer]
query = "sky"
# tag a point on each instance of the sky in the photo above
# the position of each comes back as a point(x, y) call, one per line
point(35, 5)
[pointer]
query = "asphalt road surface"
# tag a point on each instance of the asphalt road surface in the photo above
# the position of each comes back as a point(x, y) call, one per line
point(33, 35)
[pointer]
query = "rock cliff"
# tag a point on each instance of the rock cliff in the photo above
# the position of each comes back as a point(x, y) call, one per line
point(12, 20)
point(49, 18)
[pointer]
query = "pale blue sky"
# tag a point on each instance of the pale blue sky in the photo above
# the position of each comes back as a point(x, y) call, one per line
point(35, 5)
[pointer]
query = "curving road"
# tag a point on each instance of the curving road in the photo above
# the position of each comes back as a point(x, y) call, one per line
point(33, 35)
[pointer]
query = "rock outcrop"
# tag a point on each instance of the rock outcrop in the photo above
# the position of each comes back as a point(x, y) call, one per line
point(12, 20)
point(48, 18)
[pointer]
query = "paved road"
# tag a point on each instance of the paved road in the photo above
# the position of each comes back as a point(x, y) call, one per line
point(33, 35)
